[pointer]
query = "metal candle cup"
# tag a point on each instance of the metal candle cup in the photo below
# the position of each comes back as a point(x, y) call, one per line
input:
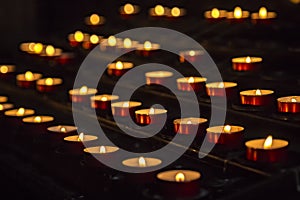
point(124, 108)
point(103, 101)
point(82, 95)
point(118, 68)
point(220, 89)
point(190, 55)
point(48, 84)
point(187, 126)
point(158, 77)
point(195, 84)
point(246, 63)
point(257, 97)
point(289, 104)
point(28, 79)
point(150, 116)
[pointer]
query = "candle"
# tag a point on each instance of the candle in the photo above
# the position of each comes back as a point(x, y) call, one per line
point(127, 45)
point(19, 113)
point(38, 119)
point(75, 143)
point(158, 77)
point(94, 20)
point(190, 55)
point(263, 16)
point(28, 79)
point(103, 101)
point(246, 63)
point(101, 150)
point(150, 116)
point(3, 99)
point(51, 52)
point(93, 41)
point(5, 106)
point(228, 135)
point(187, 126)
point(179, 183)
point(124, 108)
point(110, 43)
point(141, 162)
point(157, 11)
point(118, 68)
point(7, 70)
point(48, 84)
point(266, 150)
point(195, 84)
point(256, 97)
point(238, 15)
point(289, 104)
point(220, 89)
point(215, 14)
point(146, 48)
point(82, 94)
point(62, 129)
point(175, 12)
point(27, 47)
point(77, 38)
point(129, 10)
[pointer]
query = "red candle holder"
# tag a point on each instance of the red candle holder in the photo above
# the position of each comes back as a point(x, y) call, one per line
point(246, 63)
point(75, 39)
point(175, 13)
point(187, 126)
point(290, 104)
point(129, 10)
point(263, 16)
point(215, 15)
point(65, 58)
point(195, 84)
point(51, 53)
point(119, 68)
point(150, 116)
point(110, 44)
point(257, 97)
point(158, 11)
point(221, 89)
point(82, 95)
point(103, 101)
point(238, 15)
point(147, 48)
point(158, 77)
point(267, 150)
point(128, 45)
point(48, 84)
point(27, 80)
point(94, 20)
point(93, 41)
point(37, 124)
point(190, 55)
point(124, 108)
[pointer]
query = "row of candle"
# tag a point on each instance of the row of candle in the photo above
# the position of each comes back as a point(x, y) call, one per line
point(40, 49)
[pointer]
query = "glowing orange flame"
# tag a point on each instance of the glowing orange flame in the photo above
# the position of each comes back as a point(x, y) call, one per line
point(215, 13)
point(119, 65)
point(227, 129)
point(102, 149)
point(81, 137)
point(20, 112)
point(142, 162)
point(268, 142)
point(237, 13)
point(179, 177)
point(29, 76)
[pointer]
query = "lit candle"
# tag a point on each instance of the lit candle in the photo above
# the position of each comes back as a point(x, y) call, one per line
point(5, 106)
point(246, 63)
point(158, 77)
point(3, 99)
point(175, 12)
point(266, 150)
point(179, 183)
point(195, 84)
point(77, 38)
point(76, 143)
point(263, 16)
point(51, 52)
point(62, 129)
point(38, 119)
point(28, 79)
point(157, 11)
point(103, 101)
point(37, 48)
point(124, 108)
point(127, 45)
point(257, 97)
point(150, 116)
point(101, 150)
point(48, 84)
point(215, 14)
point(110, 43)
point(147, 48)
point(238, 15)
point(228, 136)
point(190, 55)
point(187, 126)
point(220, 89)
point(118, 68)
point(289, 104)
point(27, 47)
point(129, 10)
point(6, 70)
point(82, 94)
point(141, 162)
point(93, 41)
point(19, 113)
point(80, 138)
point(94, 20)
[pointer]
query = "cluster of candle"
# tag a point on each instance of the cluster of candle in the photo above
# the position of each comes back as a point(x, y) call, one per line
point(87, 41)
point(40, 49)
point(163, 11)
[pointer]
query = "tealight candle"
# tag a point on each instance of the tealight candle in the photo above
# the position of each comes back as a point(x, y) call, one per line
point(215, 14)
point(19, 113)
point(190, 55)
point(238, 15)
point(179, 183)
point(124, 108)
point(76, 143)
point(289, 104)
point(266, 150)
point(77, 38)
point(127, 45)
point(27, 47)
point(146, 48)
point(103, 101)
point(28, 79)
point(6, 70)
point(3, 99)
point(48, 84)
point(220, 89)
point(38, 119)
point(129, 10)
point(94, 20)
point(246, 63)
point(118, 68)
point(150, 116)
point(110, 43)
point(228, 135)
point(187, 126)
point(62, 129)
point(141, 162)
point(158, 77)
point(263, 16)
point(175, 12)
point(5, 106)
point(51, 52)
point(158, 11)
point(195, 84)
point(82, 94)
point(92, 42)
point(256, 97)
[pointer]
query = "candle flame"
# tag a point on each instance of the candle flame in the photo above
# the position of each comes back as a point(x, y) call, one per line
point(37, 119)
point(175, 12)
point(81, 137)
point(20, 112)
point(237, 13)
point(94, 19)
point(221, 85)
point(78, 36)
point(31, 46)
point(63, 130)
point(102, 149)
point(189, 122)
point(29, 76)
point(215, 13)
point(142, 162)
point(179, 177)
point(94, 39)
point(49, 81)
point(293, 100)
point(127, 43)
point(128, 9)
point(263, 13)
point(268, 142)
point(258, 92)
point(192, 53)
point(191, 80)
point(151, 111)
point(50, 50)
point(83, 90)
point(227, 129)
point(159, 10)
point(248, 59)
point(38, 48)
point(103, 98)
point(126, 104)
point(3, 69)
point(147, 45)
point(112, 41)
point(1, 107)
point(119, 65)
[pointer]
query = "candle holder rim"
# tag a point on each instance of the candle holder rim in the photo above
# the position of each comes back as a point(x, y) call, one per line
point(246, 92)
point(221, 127)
